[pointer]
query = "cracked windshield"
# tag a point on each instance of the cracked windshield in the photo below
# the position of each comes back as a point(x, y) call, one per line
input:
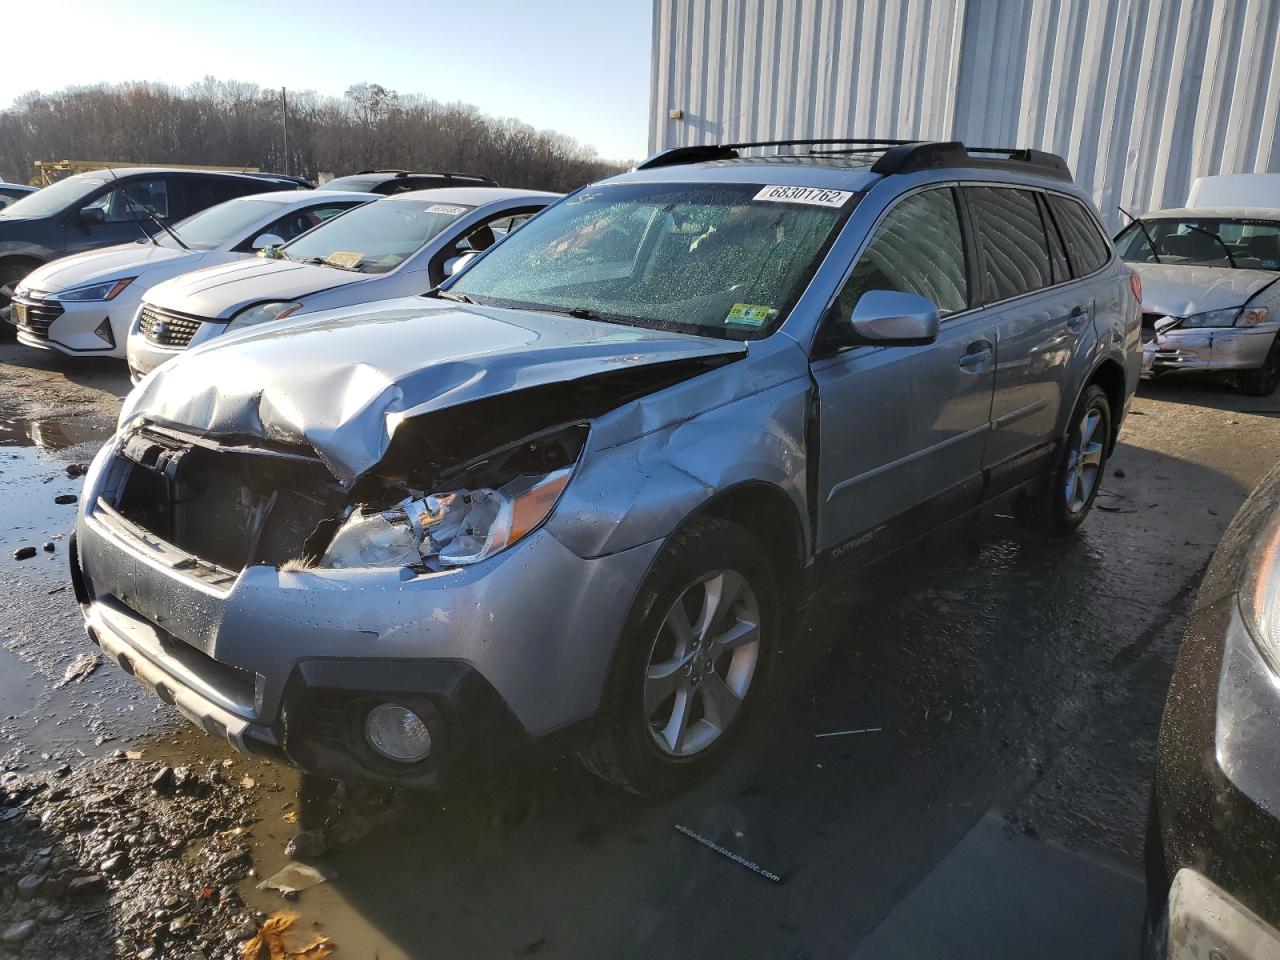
point(720, 261)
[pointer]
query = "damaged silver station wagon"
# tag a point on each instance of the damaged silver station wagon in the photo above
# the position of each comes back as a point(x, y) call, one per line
point(573, 498)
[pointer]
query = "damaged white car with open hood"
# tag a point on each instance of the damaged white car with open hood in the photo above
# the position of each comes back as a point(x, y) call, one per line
point(1210, 301)
point(573, 499)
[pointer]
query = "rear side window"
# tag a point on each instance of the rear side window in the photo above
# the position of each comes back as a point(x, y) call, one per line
point(917, 248)
point(1057, 252)
point(1015, 249)
point(1086, 245)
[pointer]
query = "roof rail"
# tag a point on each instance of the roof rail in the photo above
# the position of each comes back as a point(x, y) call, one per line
point(729, 151)
point(896, 156)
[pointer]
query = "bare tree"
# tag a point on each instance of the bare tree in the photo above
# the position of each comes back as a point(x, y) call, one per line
point(232, 123)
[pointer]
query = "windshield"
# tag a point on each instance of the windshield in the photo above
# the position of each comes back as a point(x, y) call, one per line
point(376, 237)
point(53, 198)
point(226, 221)
point(712, 259)
point(1243, 244)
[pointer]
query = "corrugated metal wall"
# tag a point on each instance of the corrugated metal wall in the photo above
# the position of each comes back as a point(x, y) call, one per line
point(1140, 96)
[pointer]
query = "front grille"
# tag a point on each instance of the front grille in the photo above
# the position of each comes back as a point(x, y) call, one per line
point(34, 315)
point(166, 328)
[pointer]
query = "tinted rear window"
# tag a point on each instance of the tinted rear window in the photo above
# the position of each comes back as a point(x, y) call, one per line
point(1015, 251)
point(1086, 246)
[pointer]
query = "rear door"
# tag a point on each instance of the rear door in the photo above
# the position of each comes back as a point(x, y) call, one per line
point(902, 429)
point(1039, 317)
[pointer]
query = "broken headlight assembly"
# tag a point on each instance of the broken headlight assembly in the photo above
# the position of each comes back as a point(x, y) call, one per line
point(492, 505)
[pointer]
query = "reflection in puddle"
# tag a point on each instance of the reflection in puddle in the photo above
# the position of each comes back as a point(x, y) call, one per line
point(53, 434)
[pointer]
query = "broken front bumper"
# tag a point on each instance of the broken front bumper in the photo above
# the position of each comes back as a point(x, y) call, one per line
point(1207, 349)
point(279, 663)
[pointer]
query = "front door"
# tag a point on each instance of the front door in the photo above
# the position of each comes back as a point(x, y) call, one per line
point(902, 429)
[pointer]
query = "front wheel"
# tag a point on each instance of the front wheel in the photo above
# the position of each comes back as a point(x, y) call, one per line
point(1065, 497)
point(691, 660)
point(10, 274)
point(1263, 381)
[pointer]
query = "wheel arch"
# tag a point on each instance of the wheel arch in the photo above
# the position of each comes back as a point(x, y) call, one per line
point(1109, 375)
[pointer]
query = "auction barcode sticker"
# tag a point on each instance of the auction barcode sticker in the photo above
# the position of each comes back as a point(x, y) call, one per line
point(449, 209)
point(817, 196)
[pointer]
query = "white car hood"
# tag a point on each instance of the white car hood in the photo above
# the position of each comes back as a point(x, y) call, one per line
point(110, 263)
point(1180, 290)
point(341, 382)
point(222, 291)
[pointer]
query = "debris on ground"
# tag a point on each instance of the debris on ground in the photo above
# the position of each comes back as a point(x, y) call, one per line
point(99, 865)
point(306, 845)
point(724, 852)
point(77, 469)
point(297, 877)
point(24, 553)
point(79, 668)
point(847, 733)
point(63, 499)
point(269, 942)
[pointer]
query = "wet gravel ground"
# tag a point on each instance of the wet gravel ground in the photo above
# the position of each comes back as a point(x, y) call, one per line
point(1005, 676)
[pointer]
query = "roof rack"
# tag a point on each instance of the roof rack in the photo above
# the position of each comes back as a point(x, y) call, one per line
point(896, 156)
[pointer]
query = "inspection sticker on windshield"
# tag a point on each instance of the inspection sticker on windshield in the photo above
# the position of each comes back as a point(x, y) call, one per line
point(449, 209)
point(815, 196)
point(748, 315)
point(343, 260)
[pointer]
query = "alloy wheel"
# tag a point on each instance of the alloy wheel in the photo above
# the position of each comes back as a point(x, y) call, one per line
point(1084, 463)
point(702, 663)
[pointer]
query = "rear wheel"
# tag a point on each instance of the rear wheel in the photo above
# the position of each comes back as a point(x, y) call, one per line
point(1263, 381)
point(691, 660)
point(1065, 497)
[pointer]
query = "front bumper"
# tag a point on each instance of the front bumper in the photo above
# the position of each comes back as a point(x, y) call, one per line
point(69, 327)
point(1216, 797)
point(510, 650)
point(1207, 349)
point(145, 355)
point(1203, 921)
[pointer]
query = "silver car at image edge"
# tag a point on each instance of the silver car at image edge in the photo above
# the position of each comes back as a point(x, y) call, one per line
point(574, 498)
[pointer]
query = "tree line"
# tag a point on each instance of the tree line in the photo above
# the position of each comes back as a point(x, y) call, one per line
point(230, 123)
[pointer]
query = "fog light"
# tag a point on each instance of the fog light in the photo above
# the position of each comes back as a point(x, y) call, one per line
point(103, 332)
point(397, 733)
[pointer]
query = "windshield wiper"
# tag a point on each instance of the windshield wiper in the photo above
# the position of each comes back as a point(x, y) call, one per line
point(449, 295)
point(1222, 243)
point(1142, 225)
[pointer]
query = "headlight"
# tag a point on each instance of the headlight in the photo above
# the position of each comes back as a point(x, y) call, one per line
point(1252, 316)
point(1259, 591)
point(1213, 318)
point(455, 528)
point(262, 313)
point(98, 291)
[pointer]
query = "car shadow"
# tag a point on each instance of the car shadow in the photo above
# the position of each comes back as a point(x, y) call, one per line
point(1207, 390)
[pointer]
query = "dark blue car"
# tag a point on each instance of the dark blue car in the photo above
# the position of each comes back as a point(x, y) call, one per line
point(103, 208)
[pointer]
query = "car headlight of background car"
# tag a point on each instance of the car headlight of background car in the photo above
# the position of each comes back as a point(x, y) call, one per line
point(107, 290)
point(1259, 591)
point(455, 527)
point(1231, 317)
point(262, 313)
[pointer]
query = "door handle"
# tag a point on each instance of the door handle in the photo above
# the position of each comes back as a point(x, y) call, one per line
point(976, 356)
point(1076, 319)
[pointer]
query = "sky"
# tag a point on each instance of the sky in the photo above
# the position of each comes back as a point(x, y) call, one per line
point(574, 66)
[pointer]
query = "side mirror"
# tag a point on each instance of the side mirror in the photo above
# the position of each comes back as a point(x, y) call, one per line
point(1164, 323)
point(92, 215)
point(455, 264)
point(888, 318)
point(262, 241)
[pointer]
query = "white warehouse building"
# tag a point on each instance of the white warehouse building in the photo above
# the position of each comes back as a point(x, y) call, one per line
point(1140, 96)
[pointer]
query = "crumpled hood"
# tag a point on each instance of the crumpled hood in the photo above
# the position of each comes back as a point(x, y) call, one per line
point(342, 382)
point(110, 263)
point(1176, 290)
point(224, 290)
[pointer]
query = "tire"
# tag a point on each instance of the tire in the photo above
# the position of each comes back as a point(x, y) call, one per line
point(1263, 381)
point(1060, 504)
point(10, 274)
point(638, 744)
